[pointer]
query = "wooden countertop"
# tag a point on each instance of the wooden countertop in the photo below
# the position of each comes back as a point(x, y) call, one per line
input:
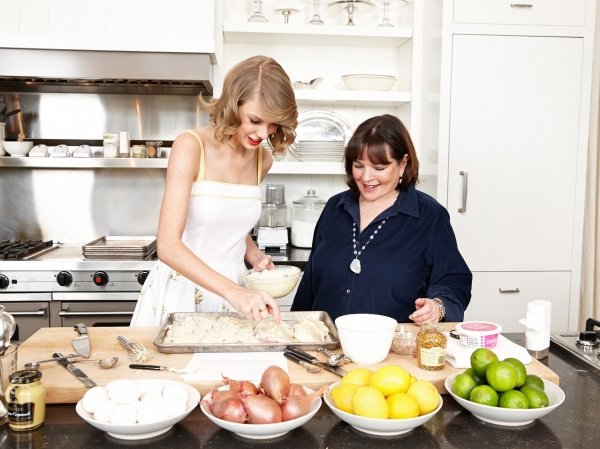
point(63, 387)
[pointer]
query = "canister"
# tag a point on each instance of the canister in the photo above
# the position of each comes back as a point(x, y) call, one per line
point(26, 400)
point(138, 151)
point(305, 213)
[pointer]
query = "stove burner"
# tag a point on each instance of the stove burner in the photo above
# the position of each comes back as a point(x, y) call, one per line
point(17, 250)
point(588, 340)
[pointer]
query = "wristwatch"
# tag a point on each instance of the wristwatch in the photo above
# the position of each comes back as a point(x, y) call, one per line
point(441, 307)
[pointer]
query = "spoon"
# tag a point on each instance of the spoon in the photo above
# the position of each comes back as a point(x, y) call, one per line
point(333, 359)
point(105, 363)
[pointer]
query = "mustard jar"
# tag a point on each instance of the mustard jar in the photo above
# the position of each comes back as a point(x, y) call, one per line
point(431, 347)
point(26, 400)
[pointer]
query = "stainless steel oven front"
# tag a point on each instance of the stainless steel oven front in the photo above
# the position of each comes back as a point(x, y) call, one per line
point(30, 310)
point(92, 308)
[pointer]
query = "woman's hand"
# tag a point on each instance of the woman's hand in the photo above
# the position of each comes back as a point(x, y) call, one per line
point(427, 311)
point(264, 262)
point(254, 305)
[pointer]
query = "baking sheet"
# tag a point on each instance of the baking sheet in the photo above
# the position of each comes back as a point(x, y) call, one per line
point(289, 317)
point(122, 247)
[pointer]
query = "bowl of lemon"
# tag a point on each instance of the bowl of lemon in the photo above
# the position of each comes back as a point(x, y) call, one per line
point(501, 392)
point(386, 401)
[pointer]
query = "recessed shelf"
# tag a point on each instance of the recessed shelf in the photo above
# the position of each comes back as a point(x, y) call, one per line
point(390, 98)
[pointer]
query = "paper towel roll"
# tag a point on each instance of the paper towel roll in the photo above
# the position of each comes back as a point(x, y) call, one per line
point(123, 144)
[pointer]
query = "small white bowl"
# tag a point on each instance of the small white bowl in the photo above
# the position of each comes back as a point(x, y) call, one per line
point(17, 149)
point(509, 416)
point(366, 338)
point(377, 426)
point(277, 282)
point(369, 82)
point(262, 431)
point(141, 431)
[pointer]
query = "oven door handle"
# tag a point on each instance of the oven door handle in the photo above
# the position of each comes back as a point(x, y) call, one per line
point(66, 313)
point(40, 312)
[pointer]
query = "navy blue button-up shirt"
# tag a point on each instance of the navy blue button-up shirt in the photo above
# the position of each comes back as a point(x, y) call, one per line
point(414, 255)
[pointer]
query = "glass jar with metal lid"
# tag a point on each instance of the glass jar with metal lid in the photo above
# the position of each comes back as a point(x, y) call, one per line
point(305, 213)
point(26, 400)
point(431, 347)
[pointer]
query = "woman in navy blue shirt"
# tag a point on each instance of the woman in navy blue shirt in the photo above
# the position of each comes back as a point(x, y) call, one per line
point(382, 246)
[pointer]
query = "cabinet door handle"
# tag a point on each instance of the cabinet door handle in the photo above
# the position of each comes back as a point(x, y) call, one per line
point(521, 5)
point(40, 312)
point(66, 313)
point(463, 209)
point(509, 290)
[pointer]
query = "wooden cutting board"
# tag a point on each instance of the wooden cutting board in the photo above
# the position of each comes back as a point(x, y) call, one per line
point(63, 387)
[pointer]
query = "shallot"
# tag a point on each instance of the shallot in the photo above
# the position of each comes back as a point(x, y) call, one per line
point(241, 386)
point(261, 409)
point(230, 409)
point(296, 390)
point(217, 396)
point(275, 383)
point(296, 406)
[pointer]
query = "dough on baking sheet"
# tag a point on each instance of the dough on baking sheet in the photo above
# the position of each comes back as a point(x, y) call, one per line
point(311, 330)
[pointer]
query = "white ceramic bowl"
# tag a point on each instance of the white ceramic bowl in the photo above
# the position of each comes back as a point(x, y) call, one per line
point(141, 431)
point(376, 426)
point(277, 282)
point(17, 149)
point(366, 338)
point(369, 82)
point(262, 431)
point(509, 416)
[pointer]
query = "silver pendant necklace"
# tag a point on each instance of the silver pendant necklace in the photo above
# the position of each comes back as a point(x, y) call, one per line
point(355, 265)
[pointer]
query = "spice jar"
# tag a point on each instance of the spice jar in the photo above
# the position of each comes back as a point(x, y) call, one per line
point(26, 400)
point(138, 151)
point(431, 347)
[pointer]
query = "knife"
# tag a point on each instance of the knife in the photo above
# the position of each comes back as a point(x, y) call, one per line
point(150, 367)
point(315, 361)
point(82, 343)
point(85, 380)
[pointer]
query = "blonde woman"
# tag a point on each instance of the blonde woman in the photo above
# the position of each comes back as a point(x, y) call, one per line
point(212, 199)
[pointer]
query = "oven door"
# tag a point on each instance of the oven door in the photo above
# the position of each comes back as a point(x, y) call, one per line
point(30, 310)
point(93, 309)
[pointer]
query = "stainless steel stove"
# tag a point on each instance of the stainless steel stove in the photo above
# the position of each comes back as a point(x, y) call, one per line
point(584, 345)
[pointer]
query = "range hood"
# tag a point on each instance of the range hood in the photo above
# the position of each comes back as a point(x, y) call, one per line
point(75, 71)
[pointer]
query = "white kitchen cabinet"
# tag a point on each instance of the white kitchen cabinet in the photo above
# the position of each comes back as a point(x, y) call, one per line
point(111, 25)
point(515, 108)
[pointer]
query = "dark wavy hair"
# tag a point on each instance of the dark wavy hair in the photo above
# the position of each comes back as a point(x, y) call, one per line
point(377, 138)
point(264, 77)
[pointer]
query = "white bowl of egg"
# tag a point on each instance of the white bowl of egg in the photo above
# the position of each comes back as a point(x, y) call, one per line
point(137, 409)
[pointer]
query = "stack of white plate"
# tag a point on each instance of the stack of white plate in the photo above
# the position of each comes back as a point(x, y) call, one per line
point(320, 150)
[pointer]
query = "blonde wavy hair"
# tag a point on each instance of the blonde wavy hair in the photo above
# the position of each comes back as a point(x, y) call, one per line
point(264, 77)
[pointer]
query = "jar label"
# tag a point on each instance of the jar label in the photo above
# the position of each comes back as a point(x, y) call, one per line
point(435, 356)
point(20, 413)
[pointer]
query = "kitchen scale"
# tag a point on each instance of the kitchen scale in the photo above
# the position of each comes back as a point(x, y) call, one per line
point(272, 230)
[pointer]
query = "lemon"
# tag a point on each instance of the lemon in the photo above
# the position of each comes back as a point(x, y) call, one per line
point(402, 405)
point(369, 402)
point(426, 395)
point(342, 396)
point(357, 376)
point(413, 379)
point(390, 379)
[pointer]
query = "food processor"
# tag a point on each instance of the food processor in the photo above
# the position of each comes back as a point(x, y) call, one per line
point(272, 230)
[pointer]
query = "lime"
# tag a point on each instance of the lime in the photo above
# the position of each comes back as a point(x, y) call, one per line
point(402, 405)
point(521, 370)
point(369, 401)
point(480, 359)
point(484, 394)
point(501, 376)
point(479, 380)
point(534, 380)
point(462, 385)
point(537, 398)
point(390, 379)
point(514, 399)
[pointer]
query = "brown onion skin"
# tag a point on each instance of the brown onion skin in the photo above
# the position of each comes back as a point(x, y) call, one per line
point(275, 383)
point(296, 406)
point(261, 409)
point(241, 386)
point(217, 396)
point(296, 390)
point(230, 409)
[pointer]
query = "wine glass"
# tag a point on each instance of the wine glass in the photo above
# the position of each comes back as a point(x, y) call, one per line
point(385, 21)
point(350, 7)
point(257, 14)
point(316, 18)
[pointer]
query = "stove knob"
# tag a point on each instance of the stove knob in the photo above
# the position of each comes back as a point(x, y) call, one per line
point(4, 282)
point(141, 277)
point(64, 278)
point(588, 337)
point(100, 278)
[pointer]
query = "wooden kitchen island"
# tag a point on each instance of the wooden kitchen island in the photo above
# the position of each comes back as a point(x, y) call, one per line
point(572, 425)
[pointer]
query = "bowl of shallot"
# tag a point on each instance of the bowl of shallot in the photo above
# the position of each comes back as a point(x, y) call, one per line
point(268, 410)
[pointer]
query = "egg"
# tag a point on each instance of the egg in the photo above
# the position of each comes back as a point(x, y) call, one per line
point(93, 397)
point(104, 410)
point(147, 385)
point(151, 413)
point(174, 406)
point(123, 414)
point(123, 391)
point(135, 405)
point(151, 397)
point(175, 391)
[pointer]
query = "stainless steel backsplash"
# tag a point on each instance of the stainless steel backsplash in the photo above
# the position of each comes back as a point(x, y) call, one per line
point(79, 205)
